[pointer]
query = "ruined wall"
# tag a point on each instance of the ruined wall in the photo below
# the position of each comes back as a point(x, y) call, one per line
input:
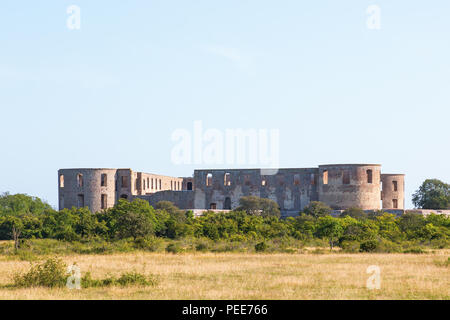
point(181, 199)
point(101, 188)
point(292, 189)
point(147, 183)
point(393, 192)
point(352, 185)
point(87, 192)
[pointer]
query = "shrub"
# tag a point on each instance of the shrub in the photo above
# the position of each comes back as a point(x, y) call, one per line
point(202, 246)
point(350, 246)
point(126, 279)
point(51, 273)
point(261, 247)
point(414, 250)
point(368, 246)
point(174, 248)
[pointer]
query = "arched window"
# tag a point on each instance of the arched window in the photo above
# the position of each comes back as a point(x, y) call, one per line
point(103, 180)
point(61, 181)
point(394, 185)
point(209, 179)
point(189, 186)
point(369, 176)
point(104, 204)
point(227, 179)
point(296, 179)
point(325, 177)
point(80, 180)
point(395, 203)
point(227, 203)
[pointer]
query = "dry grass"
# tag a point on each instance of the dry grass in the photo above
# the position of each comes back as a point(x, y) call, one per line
point(252, 276)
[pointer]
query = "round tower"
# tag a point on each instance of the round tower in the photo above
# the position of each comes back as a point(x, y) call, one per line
point(393, 191)
point(92, 188)
point(342, 186)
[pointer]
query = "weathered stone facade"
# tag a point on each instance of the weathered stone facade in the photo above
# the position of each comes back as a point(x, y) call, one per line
point(340, 186)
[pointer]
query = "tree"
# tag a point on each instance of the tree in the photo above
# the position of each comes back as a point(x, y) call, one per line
point(432, 194)
point(331, 228)
point(256, 206)
point(15, 227)
point(317, 209)
point(133, 224)
point(131, 219)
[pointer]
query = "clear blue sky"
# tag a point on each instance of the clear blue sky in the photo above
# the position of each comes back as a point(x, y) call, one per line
point(112, 93)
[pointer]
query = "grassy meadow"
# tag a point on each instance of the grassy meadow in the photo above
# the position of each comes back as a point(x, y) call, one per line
point(305, 275)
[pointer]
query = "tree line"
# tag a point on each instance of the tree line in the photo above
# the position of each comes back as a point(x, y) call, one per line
point(26, 217)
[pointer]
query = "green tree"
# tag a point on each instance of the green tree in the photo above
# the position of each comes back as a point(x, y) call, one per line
point(131, 219)
point(432, 194)
point(317, 209)
point(256, 206)
point(330, 228)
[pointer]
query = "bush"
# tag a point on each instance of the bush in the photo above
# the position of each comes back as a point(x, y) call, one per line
point(174, 248)
point(261, 247)
point(350, 246)
point(51, 273)
point(368, 246)
point(415, 250)
point(202, 246)
point(126, 279)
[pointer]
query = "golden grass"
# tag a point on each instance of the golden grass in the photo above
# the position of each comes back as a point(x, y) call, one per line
point(252, 276)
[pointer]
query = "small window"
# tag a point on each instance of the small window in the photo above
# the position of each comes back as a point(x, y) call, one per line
point(209, 180)
point(124, 182)
point(296, 180)
point(394, 185)
point(189, 186)
point(148, 183)
point(124, 196)
point(80, 201)
point(160, 184)
point(227, 179)
point(179, 184)
point(213, 206)
point(325, 177)
point(369, 176)
point(171, 185)
point(104, 180)
point(346, 177)
point(152, 184)
point(263, 182)
point(80, 180)
point(61, 181)
point(247, 181)
point(313, 178)
point(395, 203)
point(104, 204)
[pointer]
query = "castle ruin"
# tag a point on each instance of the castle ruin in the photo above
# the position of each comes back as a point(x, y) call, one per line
point(340, 186)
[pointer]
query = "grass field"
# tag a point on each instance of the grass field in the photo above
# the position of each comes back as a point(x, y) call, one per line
point(252, 276)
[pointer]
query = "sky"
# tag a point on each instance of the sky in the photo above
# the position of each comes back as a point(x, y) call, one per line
point(112, 93)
